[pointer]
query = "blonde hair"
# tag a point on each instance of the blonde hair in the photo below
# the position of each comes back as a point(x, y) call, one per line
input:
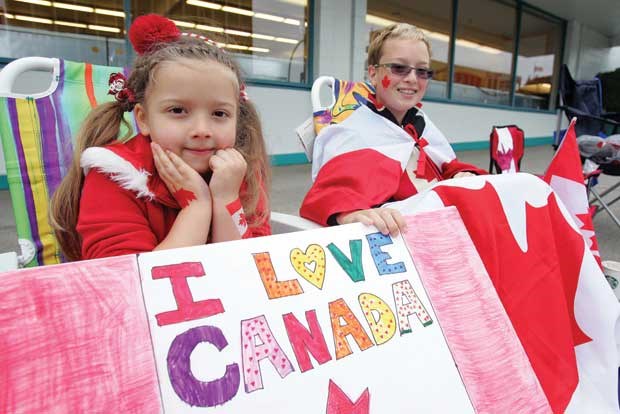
point(394, 31)
point(102, 127)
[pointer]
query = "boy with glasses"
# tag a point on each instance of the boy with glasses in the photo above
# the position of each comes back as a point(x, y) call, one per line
point(388, 149)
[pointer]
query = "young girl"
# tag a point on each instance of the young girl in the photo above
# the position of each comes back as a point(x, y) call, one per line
point(361, 171)
point(196, 172)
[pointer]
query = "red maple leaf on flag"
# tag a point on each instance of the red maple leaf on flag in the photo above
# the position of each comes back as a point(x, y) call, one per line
point(565, 176)
point(242, 221)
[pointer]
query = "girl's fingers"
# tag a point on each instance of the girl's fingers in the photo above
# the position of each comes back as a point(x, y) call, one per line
point(176, 160)
point(215, 162)
point(165, 167)
point(170, 168)
point(223, 154)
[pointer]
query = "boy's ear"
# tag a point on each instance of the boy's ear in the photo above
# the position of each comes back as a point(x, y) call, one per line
point(140, 115)
point(372, 75)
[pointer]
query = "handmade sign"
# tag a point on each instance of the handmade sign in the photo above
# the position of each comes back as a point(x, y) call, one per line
point(74, 339)
point(332, 320)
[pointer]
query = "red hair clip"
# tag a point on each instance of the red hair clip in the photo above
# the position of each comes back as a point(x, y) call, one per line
point(118, 87)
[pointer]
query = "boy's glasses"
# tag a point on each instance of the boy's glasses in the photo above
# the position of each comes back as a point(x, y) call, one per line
point(399, 69)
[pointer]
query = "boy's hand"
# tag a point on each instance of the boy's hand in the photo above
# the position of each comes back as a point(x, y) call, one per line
point(463, 174)
point(386, 220)
point(182, 181)
point(228, 169)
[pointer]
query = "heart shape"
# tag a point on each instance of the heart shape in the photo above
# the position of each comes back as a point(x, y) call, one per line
point(310, 264)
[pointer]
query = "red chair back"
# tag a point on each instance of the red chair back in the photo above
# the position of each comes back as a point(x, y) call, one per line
point(506, 149)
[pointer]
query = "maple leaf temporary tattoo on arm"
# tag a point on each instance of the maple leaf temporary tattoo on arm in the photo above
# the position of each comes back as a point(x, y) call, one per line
point(184, 197)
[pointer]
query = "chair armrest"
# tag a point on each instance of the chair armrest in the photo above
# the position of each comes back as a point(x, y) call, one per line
point(581, 113)
point(8, 261)
point(14, 69)
point(315, 92)
point(286, 223)
point(612, 115)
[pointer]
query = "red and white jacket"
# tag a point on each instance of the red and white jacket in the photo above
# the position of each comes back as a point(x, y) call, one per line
point(126, 208)
point(369, 159)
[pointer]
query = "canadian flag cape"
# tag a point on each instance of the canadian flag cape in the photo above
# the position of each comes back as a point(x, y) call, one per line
point(366, 130)
point(553, 291)
point(367, 160)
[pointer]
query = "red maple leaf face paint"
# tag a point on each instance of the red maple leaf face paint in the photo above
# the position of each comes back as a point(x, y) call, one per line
point(183, 197)
point(385, 82)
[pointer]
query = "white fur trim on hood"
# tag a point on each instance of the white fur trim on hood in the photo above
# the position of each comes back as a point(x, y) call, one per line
point(118, 169)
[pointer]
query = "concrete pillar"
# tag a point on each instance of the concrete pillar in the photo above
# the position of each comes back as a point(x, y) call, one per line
point(339, 48)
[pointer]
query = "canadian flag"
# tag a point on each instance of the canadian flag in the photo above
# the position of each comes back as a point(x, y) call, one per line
point(564, 313)
point(565, 176)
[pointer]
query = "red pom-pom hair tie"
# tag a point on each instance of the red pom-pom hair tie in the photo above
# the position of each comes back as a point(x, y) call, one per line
point(118, 88)
point(151, 29)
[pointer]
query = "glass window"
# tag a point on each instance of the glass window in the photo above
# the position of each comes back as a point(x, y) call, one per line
point(432, 17)
point(539, 60)
point(483, 51)
point(80, 31)
point(268, 37)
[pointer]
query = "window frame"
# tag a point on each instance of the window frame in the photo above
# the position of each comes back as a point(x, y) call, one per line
point(521, 7)
point(307, 85)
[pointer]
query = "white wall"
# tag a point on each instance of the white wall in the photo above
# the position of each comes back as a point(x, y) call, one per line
point(594, 51)
point(460, 123)
point(613, 58)
point(589, 52)
point(281, 111)
point(339, 44)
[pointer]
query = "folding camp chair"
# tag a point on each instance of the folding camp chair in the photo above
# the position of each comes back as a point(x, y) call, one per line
point(584, 100)
point(605, 156)
point(506, 149)
point(37, 133)
point(345, 97)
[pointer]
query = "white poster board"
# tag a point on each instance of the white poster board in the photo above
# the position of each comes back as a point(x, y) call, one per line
point(348, 327)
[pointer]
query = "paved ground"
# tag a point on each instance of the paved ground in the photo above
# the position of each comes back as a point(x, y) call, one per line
point(290, 184)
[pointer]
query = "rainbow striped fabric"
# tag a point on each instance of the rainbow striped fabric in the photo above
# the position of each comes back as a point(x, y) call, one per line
point(37, 137)
point(348, 96)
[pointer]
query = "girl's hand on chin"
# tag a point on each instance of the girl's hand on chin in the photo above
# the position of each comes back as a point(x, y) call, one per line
point(185, 184)
point(228, 169)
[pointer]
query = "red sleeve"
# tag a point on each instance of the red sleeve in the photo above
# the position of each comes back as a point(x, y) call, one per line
point(112, 221)
point(449, 169)
point(356, 180)
point(262, 210)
